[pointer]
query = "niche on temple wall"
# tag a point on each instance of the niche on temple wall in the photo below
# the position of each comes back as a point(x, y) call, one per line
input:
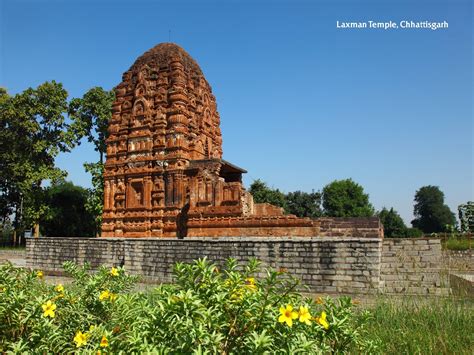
point(135, 196)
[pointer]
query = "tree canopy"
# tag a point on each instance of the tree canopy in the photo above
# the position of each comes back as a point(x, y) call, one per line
point(67, 215)
point(466, 217)
point(304, 204)
point(263, 194)
point(301, 204)
point(431, 214)
point(91, 115)
point(346, 198)
point(32, 133)
point(393, 224)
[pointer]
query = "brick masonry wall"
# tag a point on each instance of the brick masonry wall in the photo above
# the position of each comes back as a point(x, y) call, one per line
point(369, 227)
point(326, 265)
point(413, 266)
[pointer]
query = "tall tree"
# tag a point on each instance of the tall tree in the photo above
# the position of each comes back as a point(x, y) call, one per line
point(95, 195)
point(393, 224)
point(32, 133)
point(431, 214)
point(91, 115)
point(262, 193)
point(346, 198)
point(304, 204)
point(466, 217)
point(67, 215)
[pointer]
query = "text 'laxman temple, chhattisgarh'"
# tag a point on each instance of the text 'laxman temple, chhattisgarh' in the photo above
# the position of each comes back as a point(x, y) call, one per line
point(405, 24)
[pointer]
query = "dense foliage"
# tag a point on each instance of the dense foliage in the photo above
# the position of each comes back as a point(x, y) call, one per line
point(304, 204)
point(301, 204)
point(466, 217)
point(91, 115)
point(431, 214)
point(346, 198)
point(37, 116)
point(67, 215)
point(393, 224)
point(208, 310)
point(263, 194)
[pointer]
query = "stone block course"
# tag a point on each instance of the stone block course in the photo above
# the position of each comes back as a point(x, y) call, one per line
point(325, 265)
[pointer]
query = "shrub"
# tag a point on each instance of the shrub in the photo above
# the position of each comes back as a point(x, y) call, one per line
point(207, 309)
point(414, 233)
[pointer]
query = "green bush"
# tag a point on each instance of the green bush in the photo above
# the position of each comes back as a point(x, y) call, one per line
point(206, 310)
point(414, 233)
point(457, 243)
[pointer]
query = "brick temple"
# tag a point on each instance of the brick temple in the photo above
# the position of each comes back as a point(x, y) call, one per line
point(164, 172)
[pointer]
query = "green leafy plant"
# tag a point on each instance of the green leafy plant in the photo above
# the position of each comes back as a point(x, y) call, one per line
point(208, 309)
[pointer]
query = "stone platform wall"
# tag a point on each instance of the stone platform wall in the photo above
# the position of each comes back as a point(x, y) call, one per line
point(413, 266)
point(345, 265)
point(325, 264)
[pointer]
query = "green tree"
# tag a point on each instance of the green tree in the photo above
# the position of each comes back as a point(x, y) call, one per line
point(95, 195)
point(91, 115)
point(304, 204)
point(431, 214)
point(393, 224)
point(263, 194)
point(346, 198)
point(32, 133)
point(67, 215)
point(466, 217)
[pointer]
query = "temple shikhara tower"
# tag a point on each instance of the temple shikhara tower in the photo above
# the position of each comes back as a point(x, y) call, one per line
point(164, 173)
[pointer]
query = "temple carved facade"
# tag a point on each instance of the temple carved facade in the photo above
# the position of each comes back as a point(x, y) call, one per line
point(164, 173)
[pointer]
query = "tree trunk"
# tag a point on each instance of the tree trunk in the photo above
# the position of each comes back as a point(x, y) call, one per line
point(37, 230)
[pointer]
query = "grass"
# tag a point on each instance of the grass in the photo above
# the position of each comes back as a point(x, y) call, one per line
point(412, 325)
point(457, 243)
point(12, 248)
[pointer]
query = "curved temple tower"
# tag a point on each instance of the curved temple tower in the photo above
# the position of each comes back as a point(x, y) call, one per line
point(164, 173)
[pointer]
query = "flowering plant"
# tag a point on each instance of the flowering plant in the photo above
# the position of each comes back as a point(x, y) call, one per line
point(224, 309)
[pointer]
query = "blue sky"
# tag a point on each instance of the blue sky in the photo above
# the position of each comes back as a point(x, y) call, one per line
point(302, 103)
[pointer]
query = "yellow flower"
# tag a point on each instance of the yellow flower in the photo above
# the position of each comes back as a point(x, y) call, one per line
point(104, 342)
point(319, 300)
point(114, 271)
point(250, 283)
point(80, 339)
point(48, 309)
point(112, 296)
point(104, 295)
point(39, 274)
point(305, 316)
point(287, 315)
point(59, 288)
point(322, 320)
point(237, 295)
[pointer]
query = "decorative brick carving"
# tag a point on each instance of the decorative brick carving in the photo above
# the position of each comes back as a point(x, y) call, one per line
point(164, 173)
